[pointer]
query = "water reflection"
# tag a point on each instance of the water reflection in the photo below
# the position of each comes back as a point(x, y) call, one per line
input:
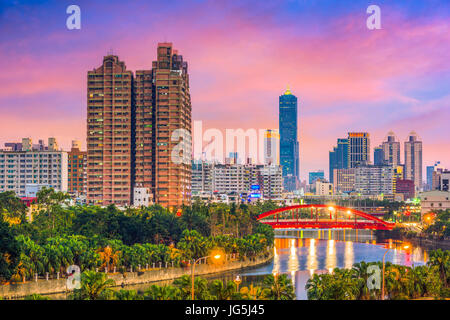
point(300, 258)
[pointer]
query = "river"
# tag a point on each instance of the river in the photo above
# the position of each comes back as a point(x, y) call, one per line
point(300, 253)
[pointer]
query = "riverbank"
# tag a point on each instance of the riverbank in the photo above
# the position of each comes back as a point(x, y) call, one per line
point(425, 242)
point(53, 286)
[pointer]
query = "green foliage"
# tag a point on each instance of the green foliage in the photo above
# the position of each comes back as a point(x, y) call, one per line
point(441, 225)
point(9, 251)
point(278, 288)
point(94, 286)
point(401, 282)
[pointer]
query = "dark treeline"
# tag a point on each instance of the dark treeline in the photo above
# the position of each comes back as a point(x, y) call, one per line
point(59, 235)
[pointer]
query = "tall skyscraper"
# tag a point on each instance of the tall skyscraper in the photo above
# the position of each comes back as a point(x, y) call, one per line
point(359, 148)
point(378, 156)
point(391, 149)
point(109, 133)
point(413, 160)
point(339, 157)
point(172, 119)
point(289, 146)
point(272, 147)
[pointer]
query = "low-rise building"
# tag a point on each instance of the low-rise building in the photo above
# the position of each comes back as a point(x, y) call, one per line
point(21, 168)
point(433, 201)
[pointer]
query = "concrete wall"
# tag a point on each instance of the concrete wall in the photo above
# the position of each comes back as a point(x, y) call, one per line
point(18, 290)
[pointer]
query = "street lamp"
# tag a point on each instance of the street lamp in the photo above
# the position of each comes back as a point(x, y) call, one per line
point(404, 247)
point(216, 257)
point(237, 281)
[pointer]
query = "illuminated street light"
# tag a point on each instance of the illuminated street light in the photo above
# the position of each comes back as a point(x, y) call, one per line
point(216, 256)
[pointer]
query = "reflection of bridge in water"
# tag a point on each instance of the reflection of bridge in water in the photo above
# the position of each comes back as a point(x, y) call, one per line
point(320, 216)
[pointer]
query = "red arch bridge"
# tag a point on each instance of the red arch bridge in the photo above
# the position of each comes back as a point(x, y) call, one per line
point(322, 216)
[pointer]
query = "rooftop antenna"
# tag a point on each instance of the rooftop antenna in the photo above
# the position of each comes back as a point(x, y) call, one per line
point(110, 52)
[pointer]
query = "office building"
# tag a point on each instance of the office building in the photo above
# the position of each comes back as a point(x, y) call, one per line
point(271, 147)
point(413, 160)
point(359, 149)
point(313, 176)
point(378, 156)
point(391, 149)
point(289, 145)
point(338, 158)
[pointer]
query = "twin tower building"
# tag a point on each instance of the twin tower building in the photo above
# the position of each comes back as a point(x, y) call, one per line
point(130, 118)
point(130, 121)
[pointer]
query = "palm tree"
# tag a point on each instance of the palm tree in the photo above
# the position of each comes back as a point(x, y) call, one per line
point(162, 293)
point(441, 260)
point(221, 291)
point(254, 293)
point(280, 287)
point(127, 295)
point(94, 286)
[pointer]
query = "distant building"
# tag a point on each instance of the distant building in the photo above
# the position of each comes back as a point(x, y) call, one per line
point(323, 188)
point(142, 197)
point(272, 147)
point(359, 148)
point(19, 169)
point(433, 201)
point(201, 176)
point(413, 160)
point(374, 180)
point(405, 188)
point(236, 179)
point(313, 176)
point(378, 156)
point(338, 158)
point(289, 146)
point(344, 180)
point(77, 170)
point(391, 149)
point(430, 170)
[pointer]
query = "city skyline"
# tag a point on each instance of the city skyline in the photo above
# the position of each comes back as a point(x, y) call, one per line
point(44, 76)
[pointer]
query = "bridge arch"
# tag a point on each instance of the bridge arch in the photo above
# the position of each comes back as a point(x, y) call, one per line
point(372, 222)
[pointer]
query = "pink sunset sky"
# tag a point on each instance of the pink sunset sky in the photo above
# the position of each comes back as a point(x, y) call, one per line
point(242, 55)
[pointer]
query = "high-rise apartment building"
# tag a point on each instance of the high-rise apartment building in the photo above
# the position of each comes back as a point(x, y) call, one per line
point(144, 140)
point(272, 147)
point(139, 132)
point(391, 149)
point(359, 149)
point(413, 160)
point(76, 170)
point(289, 146)
point(339, 157)
point(172, 128)
point(110, 111)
